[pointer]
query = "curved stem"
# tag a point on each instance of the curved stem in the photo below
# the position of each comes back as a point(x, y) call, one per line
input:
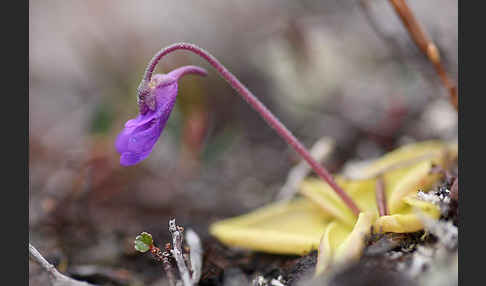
point(259, 107)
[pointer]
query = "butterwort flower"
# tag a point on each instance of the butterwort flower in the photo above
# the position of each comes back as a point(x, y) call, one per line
point(156, 99)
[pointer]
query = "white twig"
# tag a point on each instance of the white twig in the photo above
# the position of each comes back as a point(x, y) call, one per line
point(177, 253)
point(277, 281)
point(195, 253)
point(57, 279)
point(319, 151)
point(37, 257)
point(259, 281)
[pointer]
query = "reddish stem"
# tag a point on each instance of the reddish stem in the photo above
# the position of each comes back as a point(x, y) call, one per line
point(258, 106)
point(381, 196)
point(426, 45)
point(454, 194)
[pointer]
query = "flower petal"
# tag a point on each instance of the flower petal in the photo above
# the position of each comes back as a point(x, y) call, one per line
point(140, 119)
point(130, 158)
point(140, 134)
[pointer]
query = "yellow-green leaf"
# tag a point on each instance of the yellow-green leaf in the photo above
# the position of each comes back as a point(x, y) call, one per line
point(321, 220)
point(293, 227)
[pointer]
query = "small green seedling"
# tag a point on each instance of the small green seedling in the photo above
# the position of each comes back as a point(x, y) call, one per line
point(143, 242)
point(181, 259)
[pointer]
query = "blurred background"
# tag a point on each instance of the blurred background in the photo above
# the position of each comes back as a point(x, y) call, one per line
point(343, 69)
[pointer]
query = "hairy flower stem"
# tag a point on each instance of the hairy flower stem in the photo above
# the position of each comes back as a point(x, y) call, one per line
point(258, 106)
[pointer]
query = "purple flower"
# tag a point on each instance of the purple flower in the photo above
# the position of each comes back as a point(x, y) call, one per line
point(156, 100)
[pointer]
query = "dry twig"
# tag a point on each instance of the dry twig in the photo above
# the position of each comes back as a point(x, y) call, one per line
point(167, 265)
point(189, 261)
point(425, 44)
point(56, 278)
point(195, 254)
point(177, 240)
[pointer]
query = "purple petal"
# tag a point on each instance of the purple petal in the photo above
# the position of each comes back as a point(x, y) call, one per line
point(180, 72)
point(165, 95)
point(140, 134)
point(140, 119)
point(144, 136)
point(138, 140)
point(130, 158)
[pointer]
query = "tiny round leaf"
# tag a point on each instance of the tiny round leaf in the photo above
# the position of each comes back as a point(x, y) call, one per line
point(143, 242)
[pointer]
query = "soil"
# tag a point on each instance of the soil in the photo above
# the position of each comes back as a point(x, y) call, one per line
point(385, 261)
